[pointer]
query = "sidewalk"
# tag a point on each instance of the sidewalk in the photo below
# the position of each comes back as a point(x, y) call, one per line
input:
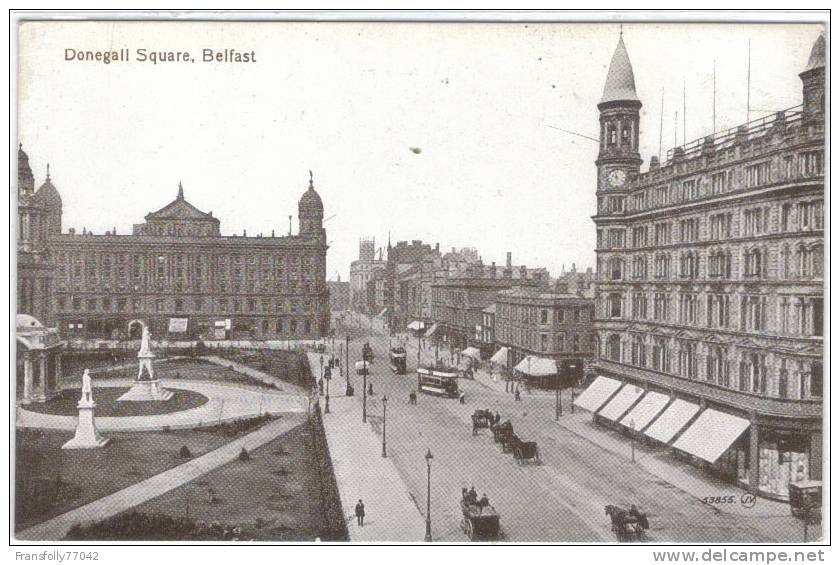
point(662, 464)
point(362, 473)
point(107, 506)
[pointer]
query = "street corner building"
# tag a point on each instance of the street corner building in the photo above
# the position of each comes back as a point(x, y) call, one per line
point(709, 293)
point(175, 271)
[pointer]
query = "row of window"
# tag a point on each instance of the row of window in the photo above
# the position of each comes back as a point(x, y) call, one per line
point(562, 342)
point(805, 215)
point(745, 370)
point(533, 315)
point(788, 168)
point(794, 315)
point(196, 305)
point(801, 262)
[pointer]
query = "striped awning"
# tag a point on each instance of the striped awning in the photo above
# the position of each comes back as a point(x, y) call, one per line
point(597, 394)
point(711, 434)
point(500, 357)
point(537, 366)
point(621, 402)
point(472, 352)
point(672, 420)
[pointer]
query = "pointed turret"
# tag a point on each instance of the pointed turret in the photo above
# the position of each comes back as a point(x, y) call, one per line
point(813, 83)
point(621, 83)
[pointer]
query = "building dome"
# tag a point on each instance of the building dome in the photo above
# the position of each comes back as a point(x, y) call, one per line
point(310, 203)
point(620, 84)
point(26, 322)
point(47, 194)
point(817, 58)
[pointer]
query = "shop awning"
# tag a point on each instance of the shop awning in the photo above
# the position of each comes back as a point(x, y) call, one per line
point(597, 394)
point(645, 411)
point(672, 420)
point(711, 434)
point(537, 366)
point(431, 331)
point(416, 325)
point(621, 402)
point(472, 352)
point(500, 357)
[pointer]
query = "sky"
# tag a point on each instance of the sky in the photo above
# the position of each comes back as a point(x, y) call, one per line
point(447, 133)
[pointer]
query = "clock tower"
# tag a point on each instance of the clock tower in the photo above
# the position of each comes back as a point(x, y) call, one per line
point(618, 157)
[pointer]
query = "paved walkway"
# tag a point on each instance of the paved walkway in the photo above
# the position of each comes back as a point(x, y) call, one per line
point(362, 473)
point(226, 402)
point(105, 507)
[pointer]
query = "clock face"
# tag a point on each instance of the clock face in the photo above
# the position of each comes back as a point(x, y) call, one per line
point(616, 178)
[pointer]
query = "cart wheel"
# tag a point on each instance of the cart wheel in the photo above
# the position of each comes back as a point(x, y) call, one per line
point(470, 532)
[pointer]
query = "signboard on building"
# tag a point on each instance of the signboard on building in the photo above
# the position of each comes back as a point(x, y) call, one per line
point(178, 325)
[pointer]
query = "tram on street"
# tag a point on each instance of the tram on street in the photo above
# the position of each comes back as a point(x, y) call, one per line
point(440, 381)
point(397, 356)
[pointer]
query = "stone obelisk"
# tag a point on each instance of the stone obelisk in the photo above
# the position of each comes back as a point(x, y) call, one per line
point(87, 436)
point(146, 386)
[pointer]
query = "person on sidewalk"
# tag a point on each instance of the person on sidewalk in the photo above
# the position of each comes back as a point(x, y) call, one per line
point(516, 396)
point(461, 397)
point(360, 513)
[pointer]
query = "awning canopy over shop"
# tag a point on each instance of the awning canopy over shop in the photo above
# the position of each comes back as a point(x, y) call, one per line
point(621, 402)
point(472, 352)
point(645, 411)
point(711, 434)
point(597, 394)
point(431, 331)
point(416, 325)
point(537, 366)
point(672, 420)
point(500, 357)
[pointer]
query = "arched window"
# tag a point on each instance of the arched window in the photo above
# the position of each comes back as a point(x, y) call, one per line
point(785, 266)
point(614, 348)
point(638, 352)
point(611, 135)
point(614, 305)
point(625, 135)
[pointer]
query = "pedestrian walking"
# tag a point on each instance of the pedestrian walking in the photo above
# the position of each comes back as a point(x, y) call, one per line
point(516, 396)
point(461, 398)
point(360, 513)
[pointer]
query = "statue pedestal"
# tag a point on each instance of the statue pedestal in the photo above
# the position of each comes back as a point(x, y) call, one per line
point(146, 391)
point(87, 436)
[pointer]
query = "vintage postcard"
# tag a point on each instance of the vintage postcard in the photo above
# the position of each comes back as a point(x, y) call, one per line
point(420, 282)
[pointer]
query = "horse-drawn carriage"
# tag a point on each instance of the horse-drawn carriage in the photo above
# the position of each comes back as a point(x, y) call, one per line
point(627, 523)
point(501, 431)
point(482, 419)
point(480, 521)
point(525, 451)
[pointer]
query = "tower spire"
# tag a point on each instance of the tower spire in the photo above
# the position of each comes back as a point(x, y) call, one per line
point(180, 191)
point(311, 181)
point(48, 171)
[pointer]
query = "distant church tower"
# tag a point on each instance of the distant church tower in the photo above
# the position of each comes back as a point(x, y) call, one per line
point(618, 157)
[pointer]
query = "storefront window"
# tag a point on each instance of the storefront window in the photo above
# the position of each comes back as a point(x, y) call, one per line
point(782, 459)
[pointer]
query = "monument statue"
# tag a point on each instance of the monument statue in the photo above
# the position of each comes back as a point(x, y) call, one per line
point(87, 435)
point(146, 386)
point(87, 388)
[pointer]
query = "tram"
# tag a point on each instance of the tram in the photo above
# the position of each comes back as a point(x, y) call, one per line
point(397, 355)
point(439, 380)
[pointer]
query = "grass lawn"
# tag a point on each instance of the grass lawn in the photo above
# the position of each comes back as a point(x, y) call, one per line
point(50, 481)
point(274, 496)
point(106, 403)
point(187, 370)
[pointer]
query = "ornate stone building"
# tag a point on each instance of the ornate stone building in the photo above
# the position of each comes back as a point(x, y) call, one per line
point(710, 279)
point(187, 281)
point(39, 216)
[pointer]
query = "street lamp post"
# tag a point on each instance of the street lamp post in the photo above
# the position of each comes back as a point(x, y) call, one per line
point(632, 440)
point(384, 404)
point(364, 387)
point(429, 458)
point(328, 377)
point(347, 363)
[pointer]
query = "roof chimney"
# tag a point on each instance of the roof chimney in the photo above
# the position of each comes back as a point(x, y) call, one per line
point(509, 259)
